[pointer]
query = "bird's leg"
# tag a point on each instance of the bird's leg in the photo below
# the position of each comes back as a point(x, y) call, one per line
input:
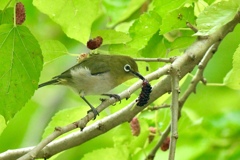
point(116, 96)
point(94, 110)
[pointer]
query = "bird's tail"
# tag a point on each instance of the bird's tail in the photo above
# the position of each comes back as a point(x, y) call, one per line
point(54, 81)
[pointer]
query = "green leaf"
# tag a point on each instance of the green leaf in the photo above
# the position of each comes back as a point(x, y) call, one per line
point(163, 7)
point(177, 19)
point(13, 135)
point(20, 68)
point(52, 49)
point(111, 36)
point(108, 153)
point(4, 4)
point(122, 49)
point(2, 124)
point(121, 9)
point(75, 17)
point(232, 79)
point(62, 118)
point(6, 16)
point(215, 16)
point(199, 6)
point(143, 29)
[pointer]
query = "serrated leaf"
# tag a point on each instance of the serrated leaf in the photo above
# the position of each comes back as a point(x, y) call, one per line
point(215, 16)
point(111, 36)
point(143, 29)
point(52, 49)
point(177, 19)
point(20, 68)
point(236, 59)
point(232, 79)
point(75, 17)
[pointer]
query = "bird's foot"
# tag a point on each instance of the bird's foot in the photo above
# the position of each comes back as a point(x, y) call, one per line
point(94, 111)
point(115, 96)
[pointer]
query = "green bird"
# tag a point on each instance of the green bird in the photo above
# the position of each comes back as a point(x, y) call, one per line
point(96, 75)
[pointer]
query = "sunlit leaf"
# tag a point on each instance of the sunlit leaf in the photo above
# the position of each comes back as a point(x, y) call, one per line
point(21, 63)
point(4, 4)
point(215, 16)
point(63, 118)
point(52, 49)
point(177, 19)
point(16, 129)
point(121, 9)
point(143, 29)
point(6, 16)
point(232, 79)
point(199, 6)
point(112, 36)
point(163, 7)
point(108, 153)
point(75, 17)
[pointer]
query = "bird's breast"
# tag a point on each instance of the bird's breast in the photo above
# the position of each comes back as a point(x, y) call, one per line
point(87, 84)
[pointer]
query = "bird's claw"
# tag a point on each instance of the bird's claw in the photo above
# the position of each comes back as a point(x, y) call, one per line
point(94, 111)
point(115, 96)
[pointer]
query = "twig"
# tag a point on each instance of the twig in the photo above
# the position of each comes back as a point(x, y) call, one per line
point(192, 27)
point(166, 60)
point(159, 107)
point(152, 154)
point(174, 108)
point(199, 74)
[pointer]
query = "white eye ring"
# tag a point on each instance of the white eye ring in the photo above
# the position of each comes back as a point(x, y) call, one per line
point(127, 68)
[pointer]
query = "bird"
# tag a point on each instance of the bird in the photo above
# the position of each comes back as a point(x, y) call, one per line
point(96, 75)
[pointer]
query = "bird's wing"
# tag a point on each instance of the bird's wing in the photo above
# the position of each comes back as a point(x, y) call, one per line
point(95, 65)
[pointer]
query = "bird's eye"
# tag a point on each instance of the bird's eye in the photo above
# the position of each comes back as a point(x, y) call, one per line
point(127, 68)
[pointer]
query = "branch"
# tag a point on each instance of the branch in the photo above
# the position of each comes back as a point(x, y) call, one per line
point(186, 63)
point(174, 108)
point(166, 60)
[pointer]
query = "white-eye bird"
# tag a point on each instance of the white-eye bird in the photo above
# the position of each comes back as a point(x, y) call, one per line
point(96, 75)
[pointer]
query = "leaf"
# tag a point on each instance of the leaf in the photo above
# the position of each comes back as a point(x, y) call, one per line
point(123, 49)
point(232, 79)
point(163, 7)
point(215, 16)
point(75, 17)
point(20, 68)
point(52, 49)
point(111, 36)
point(108, 153)
point(63, 118)
point(17, 128)
point(200, 5)
point(177, 19)
point(143, 29)
point(121, 9)
point(6, 16)
point(4, 4)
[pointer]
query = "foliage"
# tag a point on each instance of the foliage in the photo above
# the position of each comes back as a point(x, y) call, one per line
point(53, 30)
